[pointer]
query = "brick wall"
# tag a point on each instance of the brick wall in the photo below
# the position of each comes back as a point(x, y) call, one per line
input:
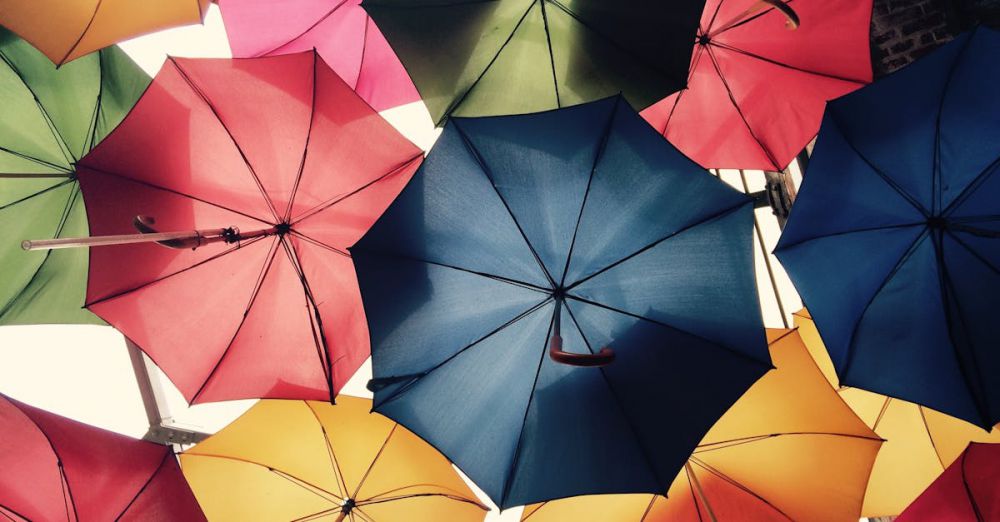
point(905, 30)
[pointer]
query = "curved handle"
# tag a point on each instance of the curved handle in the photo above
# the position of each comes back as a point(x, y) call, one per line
point(602, 358)
point(144, 224)
point(791, 17)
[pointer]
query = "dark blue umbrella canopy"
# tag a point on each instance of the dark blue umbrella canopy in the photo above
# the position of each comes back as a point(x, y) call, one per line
point(894, 240)
point(588, 211)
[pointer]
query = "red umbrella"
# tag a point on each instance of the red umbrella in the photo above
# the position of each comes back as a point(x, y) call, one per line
point(270, 168)
point(968, 491)
point(53, 468)
point(342, 32)
point(760, 75)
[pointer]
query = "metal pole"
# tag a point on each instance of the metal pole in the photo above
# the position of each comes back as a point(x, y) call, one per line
point(154, 405)
point(196, 237)
point(767, 260)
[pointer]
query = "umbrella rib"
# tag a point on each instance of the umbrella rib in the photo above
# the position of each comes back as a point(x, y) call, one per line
point(4, 510)
point(341, 197)
point(525, 515)
point(314, 516)
point(265, 269)
point(972, 187)
point(968, 490)
point(881, 412)
point(308, 486)
point(67, 490)
point(182, 270)
point(743, 118)
point(552, 58)
point(732, 481)
point(695, 60)
point(927, 429)
point(649, 507)
point(673, 234)
point(197, 90)
point(338, 474)
point(854, 231)
point(453, 493)
point(665, 325)
point(303, 33)
point(936, 166)
point(97, 7)
point(139, 493)
point(590, 179)
point(892, 273)
point(64, 170)
point(417, 376)
point(61, 142)
point(315, 320)
point(889, 181)
point(172, 191)
point(364, 477)
point(417, 495)
point(39, 193)
point(501, 279)
point(364, 51)
point(981, 400)
point(509, 479)
point(305, 147)
point(59, 228)
point(688, 472)
point(972, 251)
point(318, 243)
point(486, 172)
point(95, 118)
point(726, 444)
point(711, 21)
point(787, 66)
point(458, 101)
point(621, 407)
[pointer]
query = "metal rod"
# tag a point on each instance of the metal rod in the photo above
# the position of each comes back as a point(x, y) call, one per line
point(201, 237)
point(701, 494)
point(765, 255)
point(40, 175)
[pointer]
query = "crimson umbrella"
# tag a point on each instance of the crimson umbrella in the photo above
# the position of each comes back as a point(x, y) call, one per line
point(761, 72)
point(340, 30)
point(969, 490)
point(267, 168)
point(53, 468)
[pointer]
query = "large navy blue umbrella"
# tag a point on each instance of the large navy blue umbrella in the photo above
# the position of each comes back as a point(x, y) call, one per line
point(527, 248)
point(894, 241)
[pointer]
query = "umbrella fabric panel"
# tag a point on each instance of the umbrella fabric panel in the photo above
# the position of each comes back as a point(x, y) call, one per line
point(31, 486)
point(537, 55)
point(65, 31)
point(343, 34)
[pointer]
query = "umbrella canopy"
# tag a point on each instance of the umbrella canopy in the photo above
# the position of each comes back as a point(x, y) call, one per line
point(756, 90)
point(281, 153)
point(920, 442)
point(297, 460)
point(789, 449)
point(892, 242)
point(67, 29)
point(50, 118)
point(55, 468)
point(573, 229)
point(340, 30)
point(475, 58)
point(968, 491)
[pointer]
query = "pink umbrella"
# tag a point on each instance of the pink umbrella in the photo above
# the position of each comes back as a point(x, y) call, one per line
point(54, 468)
point(340, 30)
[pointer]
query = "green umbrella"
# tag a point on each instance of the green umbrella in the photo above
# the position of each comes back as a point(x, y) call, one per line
point(486, 58)
point(49, 119)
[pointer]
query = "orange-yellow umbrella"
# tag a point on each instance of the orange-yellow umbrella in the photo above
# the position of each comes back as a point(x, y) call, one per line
point(67, 29)
point(297, 460)
point(788, 449)
point(920, 442)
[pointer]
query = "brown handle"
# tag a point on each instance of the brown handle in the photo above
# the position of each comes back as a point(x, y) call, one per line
point(791, 17)
point(602, 358)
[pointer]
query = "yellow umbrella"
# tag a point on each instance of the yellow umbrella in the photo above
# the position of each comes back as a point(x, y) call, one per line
point(65, 30)
point(297, 460)
point(788, 449)
point(920, 442)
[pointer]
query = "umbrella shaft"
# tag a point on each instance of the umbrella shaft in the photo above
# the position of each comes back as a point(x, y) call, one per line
point(203, 237)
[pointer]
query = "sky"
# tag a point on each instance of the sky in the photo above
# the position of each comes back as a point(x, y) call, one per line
point(84, 372)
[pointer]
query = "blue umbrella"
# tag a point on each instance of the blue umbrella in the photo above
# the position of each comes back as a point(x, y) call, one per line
point(578, 233)
point(894, 241)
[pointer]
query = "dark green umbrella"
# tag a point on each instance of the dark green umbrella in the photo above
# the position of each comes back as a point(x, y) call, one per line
point(492, 57)
point(49, 119)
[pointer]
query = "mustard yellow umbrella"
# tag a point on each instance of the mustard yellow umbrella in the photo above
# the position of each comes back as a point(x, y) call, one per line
point(298, 460)
point(788, 449)
point(920, 442)
point(65, 30)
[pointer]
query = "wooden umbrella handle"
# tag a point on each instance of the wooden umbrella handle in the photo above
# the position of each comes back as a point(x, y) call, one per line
point(602, 358)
